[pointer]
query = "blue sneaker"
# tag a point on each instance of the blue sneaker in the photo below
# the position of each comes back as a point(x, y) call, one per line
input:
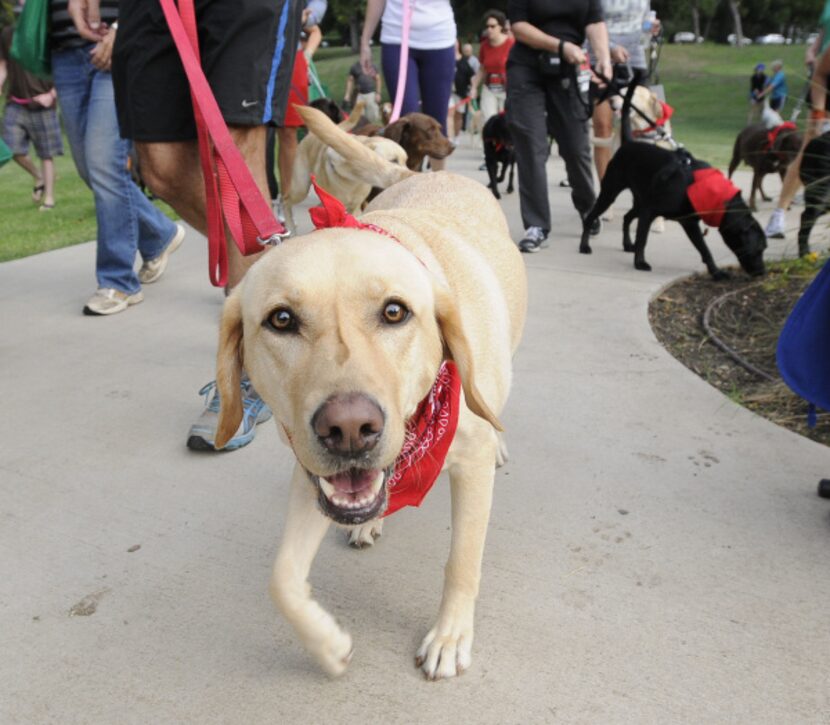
point(203, 432)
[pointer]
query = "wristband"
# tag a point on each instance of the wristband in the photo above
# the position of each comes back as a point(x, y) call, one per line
point(818, 114)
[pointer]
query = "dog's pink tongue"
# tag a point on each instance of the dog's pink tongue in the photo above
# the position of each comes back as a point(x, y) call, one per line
point(353, 480)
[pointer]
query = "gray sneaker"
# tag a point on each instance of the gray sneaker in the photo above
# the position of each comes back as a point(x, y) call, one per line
point(109, 301)
point(534, 240)
point(202, 435)
point(152, 269)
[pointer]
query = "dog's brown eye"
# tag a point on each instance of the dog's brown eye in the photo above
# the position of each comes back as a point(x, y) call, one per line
point(394, 313)
point(282, 320)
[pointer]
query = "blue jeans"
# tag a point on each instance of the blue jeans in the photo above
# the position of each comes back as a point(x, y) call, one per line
point(127, 220)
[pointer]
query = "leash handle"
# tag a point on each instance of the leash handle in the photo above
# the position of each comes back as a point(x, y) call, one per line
point(230, 189)
point(403, 62)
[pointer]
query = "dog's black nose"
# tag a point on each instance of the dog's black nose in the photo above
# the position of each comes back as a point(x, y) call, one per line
point(348, 424)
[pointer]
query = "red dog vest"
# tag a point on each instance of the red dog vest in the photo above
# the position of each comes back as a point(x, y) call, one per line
point(709, 194)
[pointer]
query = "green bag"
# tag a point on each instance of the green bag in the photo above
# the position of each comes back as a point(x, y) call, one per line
point(5, 153)
point(30, 44)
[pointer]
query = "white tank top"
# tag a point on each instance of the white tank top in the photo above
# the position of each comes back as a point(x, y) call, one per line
point(432, 27)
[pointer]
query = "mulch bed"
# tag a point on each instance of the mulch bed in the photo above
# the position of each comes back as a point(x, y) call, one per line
point(745, 315)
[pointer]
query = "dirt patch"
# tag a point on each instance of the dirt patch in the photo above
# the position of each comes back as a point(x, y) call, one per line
point(745, 315)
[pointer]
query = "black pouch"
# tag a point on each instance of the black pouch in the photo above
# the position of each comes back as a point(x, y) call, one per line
point(550, 64)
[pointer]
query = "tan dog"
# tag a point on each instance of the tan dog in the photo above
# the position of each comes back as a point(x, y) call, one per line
point(339, 176)
point(342, 332)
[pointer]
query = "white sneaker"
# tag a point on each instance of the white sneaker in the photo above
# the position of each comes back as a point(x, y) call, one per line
point(775, 226)
point(152, 269)
point(108, 301)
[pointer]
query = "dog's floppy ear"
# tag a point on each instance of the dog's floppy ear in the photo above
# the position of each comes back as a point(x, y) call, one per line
point(229, 371)
point(397, 131)
point(452, 330)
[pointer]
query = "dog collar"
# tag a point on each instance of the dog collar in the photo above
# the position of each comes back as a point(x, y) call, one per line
point(668, 111)
point(430, 431)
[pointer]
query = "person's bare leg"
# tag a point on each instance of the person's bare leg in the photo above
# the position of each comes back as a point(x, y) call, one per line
point(28, 166)
point(285, 157)
point(603, 121)
point(173, 172)
point(48, 181)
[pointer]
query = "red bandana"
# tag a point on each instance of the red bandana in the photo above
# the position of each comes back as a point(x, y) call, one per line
point(667, 111)
point(430, 431)
point(709, 193)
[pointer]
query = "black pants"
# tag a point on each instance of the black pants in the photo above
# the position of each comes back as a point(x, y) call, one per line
point(535, 103)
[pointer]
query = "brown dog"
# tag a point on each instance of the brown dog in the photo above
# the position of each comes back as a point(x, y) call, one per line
point(419, 135)
point(343, 332)
point(767, 152)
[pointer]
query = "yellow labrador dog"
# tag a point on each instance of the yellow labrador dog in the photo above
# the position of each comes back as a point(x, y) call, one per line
point(343, 332)
point(338, 175)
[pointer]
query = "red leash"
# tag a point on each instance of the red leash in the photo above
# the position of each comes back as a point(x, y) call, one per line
point(230, 190)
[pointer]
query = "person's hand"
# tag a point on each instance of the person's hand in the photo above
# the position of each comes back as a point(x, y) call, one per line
point(473, 92)
point(86, 14)
point(101, 55)
point(572, 53)
point(366, 59)
point(619, 54)
point(45, 100)
point(603, 69)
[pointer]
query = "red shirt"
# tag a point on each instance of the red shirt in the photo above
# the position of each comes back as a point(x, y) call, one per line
point(494, 61)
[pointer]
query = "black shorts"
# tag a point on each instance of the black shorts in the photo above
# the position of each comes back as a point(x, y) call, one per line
point(247, 49)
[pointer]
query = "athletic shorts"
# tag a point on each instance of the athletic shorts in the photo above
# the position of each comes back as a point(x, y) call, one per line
point(247, 49)
point(42, 128)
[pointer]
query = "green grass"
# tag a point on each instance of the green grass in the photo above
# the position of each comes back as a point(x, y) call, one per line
point(706, 84)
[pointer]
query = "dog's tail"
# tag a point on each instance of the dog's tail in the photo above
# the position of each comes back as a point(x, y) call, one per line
point(354, 117)
point(376, 170)
point(625, 123)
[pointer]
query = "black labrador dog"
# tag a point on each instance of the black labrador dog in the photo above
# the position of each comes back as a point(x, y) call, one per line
point(815, 175)
point(664, 183)
point(498, 149)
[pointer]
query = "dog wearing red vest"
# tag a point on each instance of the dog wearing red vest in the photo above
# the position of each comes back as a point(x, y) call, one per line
point(767, 151)
point(383, 346)
point(675, 185)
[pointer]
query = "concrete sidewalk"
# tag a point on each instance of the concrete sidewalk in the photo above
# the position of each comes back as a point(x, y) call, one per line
point(656, 552)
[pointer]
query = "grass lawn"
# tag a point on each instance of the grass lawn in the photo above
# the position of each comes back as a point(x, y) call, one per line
point(706, 84)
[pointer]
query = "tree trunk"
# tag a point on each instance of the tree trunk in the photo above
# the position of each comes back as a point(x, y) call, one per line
point(354, 33)
point(736, 19)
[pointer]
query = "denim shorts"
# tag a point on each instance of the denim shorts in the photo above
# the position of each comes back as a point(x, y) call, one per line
point(247, 49)
point(40, 127)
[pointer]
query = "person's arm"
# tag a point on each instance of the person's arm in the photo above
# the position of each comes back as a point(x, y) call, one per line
point(811, 53)
point(531, 36)
point(818, 85)
point(598, 38)
point(378, 89)
point(315, 36)
point(3, 73)
point(476, 81)
point(86, 14)
point(347, 94)
point(374, 11)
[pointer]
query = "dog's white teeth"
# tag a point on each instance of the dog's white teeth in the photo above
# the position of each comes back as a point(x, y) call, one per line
point(327, 488)
point(377, 483)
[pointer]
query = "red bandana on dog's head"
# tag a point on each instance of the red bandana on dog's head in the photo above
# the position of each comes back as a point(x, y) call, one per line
point(430, 431)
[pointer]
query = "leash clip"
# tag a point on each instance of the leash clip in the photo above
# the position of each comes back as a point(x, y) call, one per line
point(274, 239)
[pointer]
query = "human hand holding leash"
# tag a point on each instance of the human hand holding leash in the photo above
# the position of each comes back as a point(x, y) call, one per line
point(101, 56)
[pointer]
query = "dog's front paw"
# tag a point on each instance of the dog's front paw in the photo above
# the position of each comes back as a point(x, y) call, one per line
point(585, 246)
point(446, 651)
point(643, 266)
point(334, 651)
point(510, 189)
point(720, 275)
point(362, 536)
point(627, 245)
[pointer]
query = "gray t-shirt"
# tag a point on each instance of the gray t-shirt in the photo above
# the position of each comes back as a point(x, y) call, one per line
point(364, 83)
point(624, 19)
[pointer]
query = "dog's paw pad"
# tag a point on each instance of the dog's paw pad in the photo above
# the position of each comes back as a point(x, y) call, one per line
point(441, 656)
point(361, 537)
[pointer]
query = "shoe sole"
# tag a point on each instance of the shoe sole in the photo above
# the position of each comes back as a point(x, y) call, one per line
point(776, 235)
point(130, 301)
point(175, 243)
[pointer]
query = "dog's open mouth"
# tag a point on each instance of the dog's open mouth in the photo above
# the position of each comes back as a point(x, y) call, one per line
point(353, 496)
